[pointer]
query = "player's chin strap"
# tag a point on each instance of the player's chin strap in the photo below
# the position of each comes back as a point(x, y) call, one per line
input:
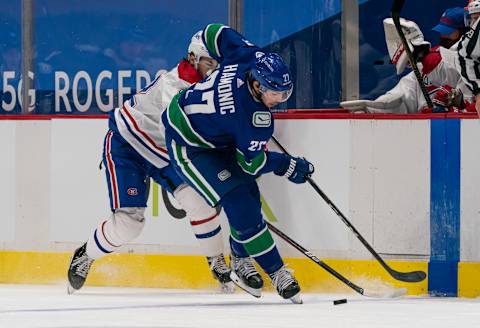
point(209, 72)
point(255, 94)
point(196, 60)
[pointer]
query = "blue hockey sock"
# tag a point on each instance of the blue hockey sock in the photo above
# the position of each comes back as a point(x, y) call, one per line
point(237, 248)
point(243, 208)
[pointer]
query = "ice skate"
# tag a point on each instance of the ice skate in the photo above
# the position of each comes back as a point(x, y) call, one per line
point(78, 269)
point(221, 273)
point(245, 275)
point(286, 285)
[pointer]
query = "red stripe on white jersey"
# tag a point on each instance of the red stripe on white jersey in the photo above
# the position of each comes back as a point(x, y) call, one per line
point(111, 170)
point(145, 135)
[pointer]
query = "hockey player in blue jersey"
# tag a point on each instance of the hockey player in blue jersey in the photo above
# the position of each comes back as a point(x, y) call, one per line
point(134, 152)
point(216, 133)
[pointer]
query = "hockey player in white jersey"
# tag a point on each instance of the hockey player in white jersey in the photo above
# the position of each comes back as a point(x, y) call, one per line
point(440, 76)
point(469, 54)
point(134, 152)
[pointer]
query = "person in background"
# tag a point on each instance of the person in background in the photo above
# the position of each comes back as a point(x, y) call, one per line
point(441, 78)
point(469, 54)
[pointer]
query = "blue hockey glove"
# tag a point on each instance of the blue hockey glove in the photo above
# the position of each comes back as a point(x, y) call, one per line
point(299, 170)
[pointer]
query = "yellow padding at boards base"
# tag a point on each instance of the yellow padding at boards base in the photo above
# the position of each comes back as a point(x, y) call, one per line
point(191, 272)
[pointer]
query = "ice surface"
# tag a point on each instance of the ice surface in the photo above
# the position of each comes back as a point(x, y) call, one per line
point(94, 307)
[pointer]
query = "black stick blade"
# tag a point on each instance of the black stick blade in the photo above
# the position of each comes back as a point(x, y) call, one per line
point(414, 276)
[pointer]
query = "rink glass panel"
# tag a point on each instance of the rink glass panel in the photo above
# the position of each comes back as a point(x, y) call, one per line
point(91, 55)
point(308, 35)
point(90, 52)
point(377, 75)
point(10, 55)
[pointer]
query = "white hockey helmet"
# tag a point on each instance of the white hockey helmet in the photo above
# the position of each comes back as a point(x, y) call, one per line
point(473, 7)
point(197, 47)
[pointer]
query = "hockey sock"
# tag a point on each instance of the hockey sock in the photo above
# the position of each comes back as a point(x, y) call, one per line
point(204, 220)
point(208, 234)
point(237, 248)
point(243, 208)
point(122, 227)
point(261, 246)
point(98, 245)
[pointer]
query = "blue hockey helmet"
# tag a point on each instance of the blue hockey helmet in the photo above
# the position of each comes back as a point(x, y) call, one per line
point(272, 73)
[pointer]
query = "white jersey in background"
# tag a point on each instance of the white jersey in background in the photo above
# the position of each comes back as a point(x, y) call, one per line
point(436, 73)
point(407, 97)
point(138, 121)
point(468, 59)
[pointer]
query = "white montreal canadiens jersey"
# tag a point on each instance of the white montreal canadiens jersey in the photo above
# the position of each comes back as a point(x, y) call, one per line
point(139, 120)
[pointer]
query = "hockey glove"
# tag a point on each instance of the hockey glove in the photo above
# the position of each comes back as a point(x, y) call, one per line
point(299, 170)
point(446, 99)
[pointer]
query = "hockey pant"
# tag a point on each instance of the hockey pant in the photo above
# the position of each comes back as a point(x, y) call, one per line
point(128, 175)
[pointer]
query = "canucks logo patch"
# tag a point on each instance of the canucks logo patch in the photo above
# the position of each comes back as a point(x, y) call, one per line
point(262, 119)
point(224, 175)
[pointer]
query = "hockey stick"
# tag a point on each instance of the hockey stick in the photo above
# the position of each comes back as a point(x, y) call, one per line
point(394, 293)
point(396, 9)
point(414, 276)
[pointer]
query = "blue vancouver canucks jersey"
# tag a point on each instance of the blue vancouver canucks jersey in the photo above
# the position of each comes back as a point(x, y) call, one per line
point(220, 111)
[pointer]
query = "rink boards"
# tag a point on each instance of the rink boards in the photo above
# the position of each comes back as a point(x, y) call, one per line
point(378, 171)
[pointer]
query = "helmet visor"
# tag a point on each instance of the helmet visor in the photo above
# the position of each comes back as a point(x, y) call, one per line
point(273, 96)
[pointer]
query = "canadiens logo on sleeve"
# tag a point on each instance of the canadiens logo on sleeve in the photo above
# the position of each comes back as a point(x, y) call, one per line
point(262, 119)
point(132, 191)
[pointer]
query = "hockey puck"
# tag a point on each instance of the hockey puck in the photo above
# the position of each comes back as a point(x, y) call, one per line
point(341, 301)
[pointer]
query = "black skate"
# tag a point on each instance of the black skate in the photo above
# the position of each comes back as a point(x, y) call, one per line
point(245, 275)
point(78, 270)
point(286, 285)
point(221, 273)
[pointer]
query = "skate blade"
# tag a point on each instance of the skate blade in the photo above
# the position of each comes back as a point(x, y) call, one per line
point(227, 288)
point(70, 290)
point(296, 299)
point(237, 281)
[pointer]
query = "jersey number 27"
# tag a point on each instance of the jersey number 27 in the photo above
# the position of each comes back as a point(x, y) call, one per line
point(209, 106)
